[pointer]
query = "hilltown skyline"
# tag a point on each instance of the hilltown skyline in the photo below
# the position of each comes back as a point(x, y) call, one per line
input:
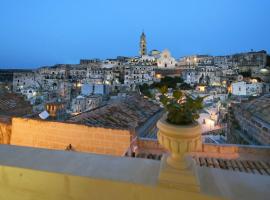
point(39, 34)
point(148, 53)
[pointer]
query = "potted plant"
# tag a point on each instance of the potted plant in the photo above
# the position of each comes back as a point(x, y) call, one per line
point(178, 130)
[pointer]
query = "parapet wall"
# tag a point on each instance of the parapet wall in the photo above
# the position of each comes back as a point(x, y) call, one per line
point(58, 135)
point(233, 151)
point(5, 133)
point(152, 146)
point(240, 149)
point(149, 146)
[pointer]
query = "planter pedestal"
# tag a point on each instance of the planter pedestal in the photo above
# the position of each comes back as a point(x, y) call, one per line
point(178, 140)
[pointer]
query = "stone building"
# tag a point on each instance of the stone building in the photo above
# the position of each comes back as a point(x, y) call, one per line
point(54, 72)
point(97, 89)
point(24, 80)
point(6, 78)
point(84, 103)
point(190, 76)
point(56, 110)
point(137, 75)
point(89, 61)
point(95, 75)
point(192, 62)
point(243, 88)
point(207, 74)
point(249, 122)
point(253, 60)
point(77, 72)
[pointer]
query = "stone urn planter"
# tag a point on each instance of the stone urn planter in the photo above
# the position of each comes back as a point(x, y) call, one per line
point(179, 140)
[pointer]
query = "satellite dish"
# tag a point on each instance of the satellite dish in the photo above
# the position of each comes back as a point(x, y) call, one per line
point(240, 78)
point(44, 115)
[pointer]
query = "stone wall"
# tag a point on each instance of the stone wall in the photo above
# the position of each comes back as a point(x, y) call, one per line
point(236, 149)
point(149, 146)
point(58, 135)
point(5, 133)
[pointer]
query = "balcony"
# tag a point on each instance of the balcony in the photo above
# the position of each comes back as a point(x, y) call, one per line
point(32, 173)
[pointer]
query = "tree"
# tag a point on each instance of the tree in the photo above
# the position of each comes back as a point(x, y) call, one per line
point(185, 86)
point(163, 89)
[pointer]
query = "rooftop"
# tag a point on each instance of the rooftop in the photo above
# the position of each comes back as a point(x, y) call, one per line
point(247, 166)
point(127, 113)
point(13, 105)
point(260, 107)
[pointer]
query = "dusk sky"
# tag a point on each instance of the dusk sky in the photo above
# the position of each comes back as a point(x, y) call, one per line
point(36, 33)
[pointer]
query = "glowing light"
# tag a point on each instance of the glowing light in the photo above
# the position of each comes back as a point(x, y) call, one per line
point(201, 88)
point(158, 76)
point(254, 81)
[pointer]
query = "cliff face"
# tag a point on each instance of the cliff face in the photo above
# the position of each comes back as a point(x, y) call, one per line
point(5, 133)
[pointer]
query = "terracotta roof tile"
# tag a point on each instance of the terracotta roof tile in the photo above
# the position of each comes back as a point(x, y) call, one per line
point(247, 166)
point(126, 114)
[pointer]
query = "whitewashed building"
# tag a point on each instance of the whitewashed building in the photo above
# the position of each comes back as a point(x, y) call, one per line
point(243, 88)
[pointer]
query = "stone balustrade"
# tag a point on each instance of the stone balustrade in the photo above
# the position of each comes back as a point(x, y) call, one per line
point(31, 173)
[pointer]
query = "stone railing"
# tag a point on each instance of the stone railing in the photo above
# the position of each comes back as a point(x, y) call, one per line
point(80, 176)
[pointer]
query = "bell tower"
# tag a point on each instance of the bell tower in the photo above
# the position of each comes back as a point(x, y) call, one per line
point(143, 49)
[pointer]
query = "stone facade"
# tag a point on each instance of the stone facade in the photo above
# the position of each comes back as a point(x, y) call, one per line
point(23, 80)
point(138, 75)
point(85, 103)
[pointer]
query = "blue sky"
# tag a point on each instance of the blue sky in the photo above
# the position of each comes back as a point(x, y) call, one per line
point(45, 32)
